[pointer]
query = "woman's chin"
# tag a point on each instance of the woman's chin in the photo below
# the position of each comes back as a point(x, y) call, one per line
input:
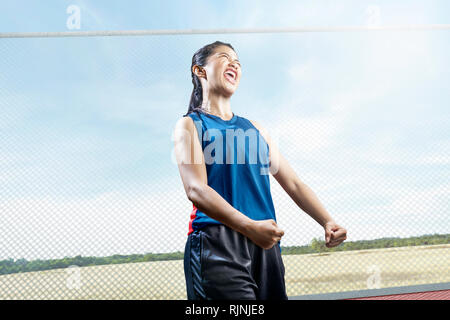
point(230, 88)
point(228, 91)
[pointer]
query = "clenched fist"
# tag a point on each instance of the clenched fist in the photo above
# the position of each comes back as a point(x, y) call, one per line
point(334, 234)
point(264, 233)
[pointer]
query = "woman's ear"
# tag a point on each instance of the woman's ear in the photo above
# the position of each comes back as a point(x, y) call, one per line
point(202, 72)
point(199, 71)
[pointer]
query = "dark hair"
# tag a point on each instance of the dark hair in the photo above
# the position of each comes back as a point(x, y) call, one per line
point(200, 59)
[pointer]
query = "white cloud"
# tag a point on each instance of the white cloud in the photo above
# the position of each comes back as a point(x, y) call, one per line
point(111, 223)
point(426, 203)
point(304, 135)
point(434, 159)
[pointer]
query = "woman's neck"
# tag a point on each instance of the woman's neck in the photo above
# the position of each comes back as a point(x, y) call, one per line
point(218, 106)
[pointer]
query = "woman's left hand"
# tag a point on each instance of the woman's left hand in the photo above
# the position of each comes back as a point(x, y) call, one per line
point(334, 234)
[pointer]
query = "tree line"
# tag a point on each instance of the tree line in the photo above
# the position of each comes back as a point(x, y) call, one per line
point(317, 245)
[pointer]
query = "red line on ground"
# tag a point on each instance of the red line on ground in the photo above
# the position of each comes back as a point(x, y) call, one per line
point(428, 295)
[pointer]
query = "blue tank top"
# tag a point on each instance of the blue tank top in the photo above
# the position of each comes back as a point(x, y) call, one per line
point(237, 165)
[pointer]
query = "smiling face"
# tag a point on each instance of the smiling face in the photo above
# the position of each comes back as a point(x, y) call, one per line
point(223, 71)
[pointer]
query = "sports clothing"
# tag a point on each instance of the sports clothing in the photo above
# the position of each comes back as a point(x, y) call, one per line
point(238, 171)
point(222, 264)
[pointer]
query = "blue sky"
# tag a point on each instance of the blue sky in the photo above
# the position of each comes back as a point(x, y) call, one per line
point(86, 123)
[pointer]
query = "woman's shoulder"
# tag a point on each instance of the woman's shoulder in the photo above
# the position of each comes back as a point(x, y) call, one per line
point(188, 118)
point(184, 123)
point(188, 123)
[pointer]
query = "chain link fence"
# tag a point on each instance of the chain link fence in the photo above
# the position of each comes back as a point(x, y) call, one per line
point(91, 202)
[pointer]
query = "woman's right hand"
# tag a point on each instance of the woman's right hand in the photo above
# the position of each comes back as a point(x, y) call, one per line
point(264, 233)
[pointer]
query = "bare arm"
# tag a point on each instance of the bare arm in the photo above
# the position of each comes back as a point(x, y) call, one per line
point(299, 192)
point(191, 165)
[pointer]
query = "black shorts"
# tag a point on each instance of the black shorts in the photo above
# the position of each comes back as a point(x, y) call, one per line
point(223, 264)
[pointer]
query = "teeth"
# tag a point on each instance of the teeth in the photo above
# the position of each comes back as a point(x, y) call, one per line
point(230, 73)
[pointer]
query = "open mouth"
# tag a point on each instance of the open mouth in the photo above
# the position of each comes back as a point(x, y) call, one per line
point(230, 76)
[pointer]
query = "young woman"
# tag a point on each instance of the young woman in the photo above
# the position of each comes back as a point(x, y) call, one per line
point(232, 250)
